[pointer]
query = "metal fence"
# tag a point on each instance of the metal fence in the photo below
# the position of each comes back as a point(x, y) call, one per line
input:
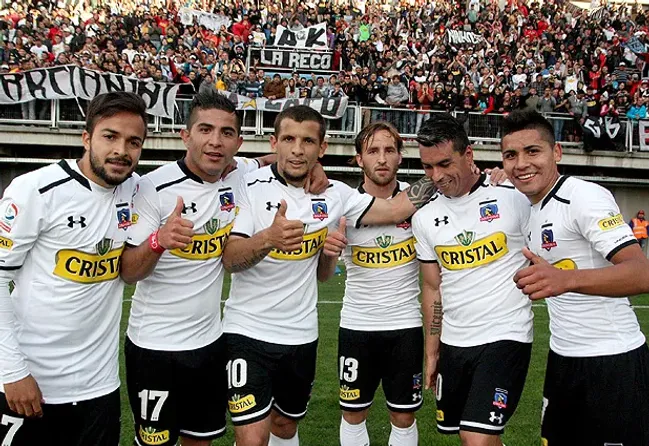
point(480, 127)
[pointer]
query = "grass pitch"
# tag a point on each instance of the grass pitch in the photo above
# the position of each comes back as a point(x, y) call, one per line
point(320, 428)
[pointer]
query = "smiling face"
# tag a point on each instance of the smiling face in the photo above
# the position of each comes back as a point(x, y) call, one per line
point(530, 162)
point(380, 158)
point(298, 148)
point(450, 170)
point(211, 141)
point(113, 149)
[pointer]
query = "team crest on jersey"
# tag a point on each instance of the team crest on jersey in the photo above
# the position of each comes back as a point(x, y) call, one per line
point(547, 239)
point(104, 246)
point(319, 210)
point(10, 214)
point(123, 216)
point(383, 241)
point(227, 201)
point(465, 238)
point(489, 212)
point(500, 398)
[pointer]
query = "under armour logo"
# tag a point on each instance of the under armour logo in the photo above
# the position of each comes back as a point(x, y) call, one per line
point(270, 206)
point(439, 221)
point(416, 396)
point(72, 221)
point(190, 208)
point(498, 418)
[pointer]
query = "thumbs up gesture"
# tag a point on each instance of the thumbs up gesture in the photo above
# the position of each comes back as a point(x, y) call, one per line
point(177, 232)
point(336, 241)
point(541, 280)
point(284, 234)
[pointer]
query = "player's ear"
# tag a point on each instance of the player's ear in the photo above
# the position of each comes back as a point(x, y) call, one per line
point(85, 139)
point(184, 135)
point(323, 149)
point(273, 143)
point(359, 160)
point(557, 152)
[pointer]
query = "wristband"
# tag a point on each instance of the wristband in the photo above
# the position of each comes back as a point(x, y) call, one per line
point(154, 244)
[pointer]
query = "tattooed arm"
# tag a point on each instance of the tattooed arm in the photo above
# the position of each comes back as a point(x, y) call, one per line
point(431, 306)
point(402, 206)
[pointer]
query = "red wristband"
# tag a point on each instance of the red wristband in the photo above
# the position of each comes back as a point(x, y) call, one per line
point(154, 244)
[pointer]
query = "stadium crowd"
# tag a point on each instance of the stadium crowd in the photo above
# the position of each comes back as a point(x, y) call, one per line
point(554, 58)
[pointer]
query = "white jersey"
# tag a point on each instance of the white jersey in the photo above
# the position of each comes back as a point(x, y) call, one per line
point(578, 225)
point(275, 300)
point(178, 306)
point(382, 287)
point(477, 240)
point(61, 237)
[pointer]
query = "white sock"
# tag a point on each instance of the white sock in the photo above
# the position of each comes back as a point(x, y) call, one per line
point(276, 441)
point(407, 436)
point(353, 434)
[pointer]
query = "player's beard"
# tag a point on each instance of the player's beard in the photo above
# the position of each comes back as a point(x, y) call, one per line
point(380, 180)
point(99, 169)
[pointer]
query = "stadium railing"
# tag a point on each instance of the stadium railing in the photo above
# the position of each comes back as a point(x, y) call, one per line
point(481, 128)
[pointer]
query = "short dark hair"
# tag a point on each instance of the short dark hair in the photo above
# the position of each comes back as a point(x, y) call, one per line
point(208, 100)
point(443, 127)
point(109, 104)
point(301, 113)
point(372, 129)
point(528, 120)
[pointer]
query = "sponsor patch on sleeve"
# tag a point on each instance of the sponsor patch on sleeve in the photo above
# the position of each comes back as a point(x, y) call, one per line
point(611, 222)
point(9, 217)
point(6, 243)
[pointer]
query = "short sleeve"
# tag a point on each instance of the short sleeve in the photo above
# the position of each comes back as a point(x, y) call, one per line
point(244, 221)
point(423, 244)
point(355, 204)
point(247, 165)
point(22, 218)
point(599, 220)
point(146, 206)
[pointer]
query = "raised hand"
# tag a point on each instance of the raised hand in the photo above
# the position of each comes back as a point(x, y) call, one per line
point(284, 234)
point(177, 232)
point(336, 241)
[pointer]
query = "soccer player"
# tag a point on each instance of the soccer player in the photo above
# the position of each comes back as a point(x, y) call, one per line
point(274, 252)
point(62, 230)
point(380, 338)
point(477, 324)
point(175, 357)
point(585, 260)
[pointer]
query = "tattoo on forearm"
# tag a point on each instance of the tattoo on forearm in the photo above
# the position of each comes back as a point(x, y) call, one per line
point(436, 323)
point(246, 263)
point(421, 192)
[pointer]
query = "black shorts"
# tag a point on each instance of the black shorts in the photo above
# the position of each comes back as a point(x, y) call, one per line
point(91, 422)
point(478, 388)
point(393, 358)
point(596, 401)
point(176, 393)
point(262, 375)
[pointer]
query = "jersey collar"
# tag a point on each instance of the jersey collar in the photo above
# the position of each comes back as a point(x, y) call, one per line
point(479, 183)
point(75, 175)
point(396, 190)
point(553, 192)
point(183, 167)
point(278, 177)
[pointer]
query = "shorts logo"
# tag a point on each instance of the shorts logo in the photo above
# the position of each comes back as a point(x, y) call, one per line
point(416, 381)
point(544, 442)
point(489, 211)
point(611, 222)
point(240, 403)
point(6, 243)
point(493, 417)
point(319, 210)
point(151, 436)
point(383, 241)
point(500, 399)
point(547, 239)
point(348, 394)
point(440, 415)
point(465, 238)
point(7, 221)
point(227, 201)
point(123, 216)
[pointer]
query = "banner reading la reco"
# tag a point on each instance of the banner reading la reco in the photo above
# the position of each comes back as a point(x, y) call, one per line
point(330, 108)
point(294, 59)
point(70, 81)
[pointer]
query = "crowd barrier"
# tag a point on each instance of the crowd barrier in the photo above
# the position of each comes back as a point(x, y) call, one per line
point(481, 128)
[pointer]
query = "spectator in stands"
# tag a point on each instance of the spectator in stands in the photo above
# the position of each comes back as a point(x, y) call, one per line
point(320, 90)
point(638, 110)
point(639, 226)
point(275, 89)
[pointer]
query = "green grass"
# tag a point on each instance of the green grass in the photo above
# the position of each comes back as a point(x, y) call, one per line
point(320, 428)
